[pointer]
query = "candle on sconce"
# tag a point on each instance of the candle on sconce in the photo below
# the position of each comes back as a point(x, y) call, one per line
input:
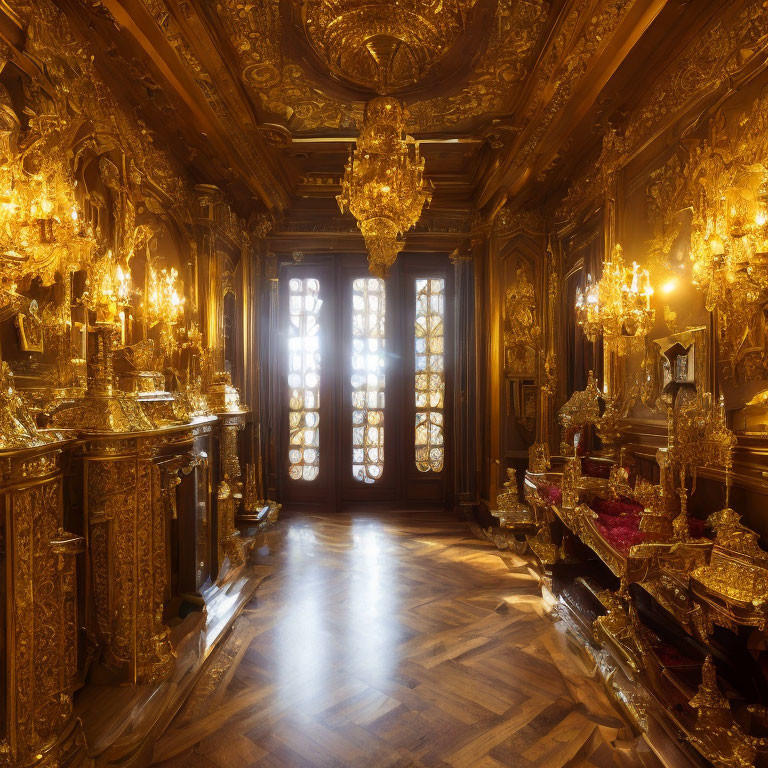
point(647, 288)
point(619, 304)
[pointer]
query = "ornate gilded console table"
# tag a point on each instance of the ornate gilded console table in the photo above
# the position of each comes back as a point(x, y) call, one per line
point(40, 667)
point(653, 639)
point(130, 471)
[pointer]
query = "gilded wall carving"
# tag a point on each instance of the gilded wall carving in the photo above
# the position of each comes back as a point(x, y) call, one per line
point(522, 333)
point(713, 58)
point(581, 41)
point(76, 96)
point(685, 198)
point(721, 53)
point(508, 221)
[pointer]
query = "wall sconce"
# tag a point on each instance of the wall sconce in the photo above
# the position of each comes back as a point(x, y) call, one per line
point(619, 304)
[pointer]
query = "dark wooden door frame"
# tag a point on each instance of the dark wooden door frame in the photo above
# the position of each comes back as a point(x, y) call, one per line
point(402, 484)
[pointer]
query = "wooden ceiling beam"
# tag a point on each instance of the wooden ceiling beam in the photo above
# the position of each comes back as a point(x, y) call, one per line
point(352, 242)
point(265, 182)
point(513, 170)
point(206, 37)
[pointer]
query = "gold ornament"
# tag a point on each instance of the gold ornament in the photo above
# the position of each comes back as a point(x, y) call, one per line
point(715, 734)
point(165, 303)
point(734, 584)
point(699, 438)
point(378, 46)
point(619, 304)
point(383, 185)
point(511, 512)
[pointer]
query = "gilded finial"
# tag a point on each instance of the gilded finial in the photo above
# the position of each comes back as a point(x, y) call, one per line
point(708, 695)
point(512, 513)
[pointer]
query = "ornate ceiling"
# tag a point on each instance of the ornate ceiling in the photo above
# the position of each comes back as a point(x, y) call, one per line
point(372, 45)
point(449, 60)
point(506, 97)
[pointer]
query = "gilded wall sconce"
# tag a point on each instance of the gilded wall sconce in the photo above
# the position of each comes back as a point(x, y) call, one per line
point(619, 304)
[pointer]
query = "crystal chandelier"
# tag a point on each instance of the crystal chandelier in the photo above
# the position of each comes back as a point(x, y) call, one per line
point(383, 185)
point(619, 304)
point(41, 229)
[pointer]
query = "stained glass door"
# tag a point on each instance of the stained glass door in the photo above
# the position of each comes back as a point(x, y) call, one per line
point(371, 396)
point(365, 416)
point(427, 337)
point(308, 422)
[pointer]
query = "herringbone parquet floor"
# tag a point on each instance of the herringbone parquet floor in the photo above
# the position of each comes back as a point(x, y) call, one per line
point(394, 640)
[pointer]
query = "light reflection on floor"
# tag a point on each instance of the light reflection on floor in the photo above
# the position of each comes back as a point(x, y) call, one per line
point(354, 617)
point(302, 632)
point(391, 640)
point(372, 602)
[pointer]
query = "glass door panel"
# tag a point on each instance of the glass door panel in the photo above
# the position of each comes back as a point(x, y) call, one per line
point(306, 450)
point(304, 374)
point(368, 379)
point(427, 284)
point(429, 385)
point(371, 397)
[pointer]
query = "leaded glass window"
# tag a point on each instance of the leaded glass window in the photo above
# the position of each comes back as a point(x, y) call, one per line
point(368, 378)
point(430, 374)
point(304, 305)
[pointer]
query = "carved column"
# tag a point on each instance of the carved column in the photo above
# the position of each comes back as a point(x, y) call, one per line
point(40, 613)
point(464, 382)
point(210, 202)
point(489, 365)
point(250, 347)
point(229, 495)
point(550, 372)
point(613, 355)
point(271, 392)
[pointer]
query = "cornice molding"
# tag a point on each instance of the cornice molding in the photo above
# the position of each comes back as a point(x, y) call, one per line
point(583, 52)
point(185, 55)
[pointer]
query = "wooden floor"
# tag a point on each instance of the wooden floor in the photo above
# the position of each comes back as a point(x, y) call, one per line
point(386, 640)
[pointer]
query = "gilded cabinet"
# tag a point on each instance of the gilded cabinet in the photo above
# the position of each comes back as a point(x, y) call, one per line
point(131, 484)
point(39, 613)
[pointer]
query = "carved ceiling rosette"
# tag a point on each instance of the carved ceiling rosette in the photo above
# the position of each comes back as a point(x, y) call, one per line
point(370, 44)
point(315, 63)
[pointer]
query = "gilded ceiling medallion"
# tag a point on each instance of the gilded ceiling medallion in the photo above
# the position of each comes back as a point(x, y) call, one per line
point(380, 44)
point(320, 77)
